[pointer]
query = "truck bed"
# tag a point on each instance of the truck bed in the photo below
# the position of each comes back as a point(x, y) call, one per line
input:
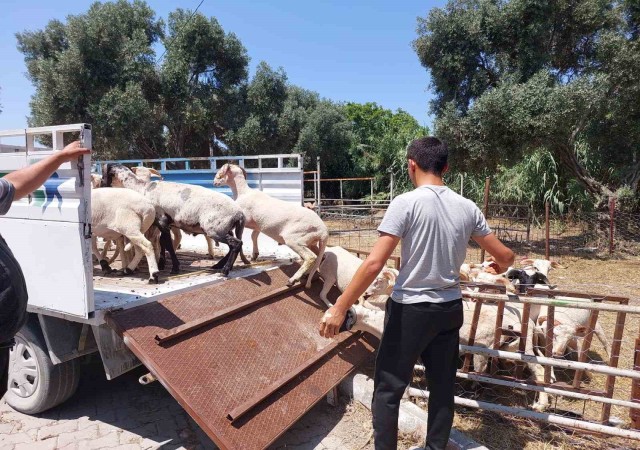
point(118, 291)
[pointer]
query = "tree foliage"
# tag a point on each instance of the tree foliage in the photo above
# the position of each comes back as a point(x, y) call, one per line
point(515, 80)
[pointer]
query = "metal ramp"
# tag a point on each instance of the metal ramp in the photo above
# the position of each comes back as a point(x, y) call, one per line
point(251, 374)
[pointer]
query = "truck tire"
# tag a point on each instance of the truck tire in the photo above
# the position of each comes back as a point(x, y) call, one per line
point(35, 383)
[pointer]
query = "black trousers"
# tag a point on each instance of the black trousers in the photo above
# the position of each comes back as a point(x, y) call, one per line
point(13, 307)
point(429, 331)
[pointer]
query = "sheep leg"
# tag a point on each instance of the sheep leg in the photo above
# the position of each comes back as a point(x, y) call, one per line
point(105, 249)
point(177, 238)
point(167, 244)
point(316, 262)
point(226, 264)
point(104, 264)
point(124, 256)
point(538, 372)
point(254, 241)
point(326, 287)
point(308, 260)
point(209, 246)
point(143, 246)
point(602, 337)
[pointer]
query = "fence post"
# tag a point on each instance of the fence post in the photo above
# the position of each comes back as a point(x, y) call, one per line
point(461, 184)
point(391, 185)
point(612, 212)
point(341, 189)
point(546, 230)
point(487, 184)
point(371, 195)
point(319, 199)
point(635, 388)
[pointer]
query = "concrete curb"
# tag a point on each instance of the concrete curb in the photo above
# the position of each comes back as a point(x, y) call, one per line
point(412, 418)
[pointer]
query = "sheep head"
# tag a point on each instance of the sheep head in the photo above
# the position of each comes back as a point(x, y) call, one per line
point(146, 173)
point(227, 173)
point(96, 180)
point(541, 265)
point(383, 284)
point(116, 175)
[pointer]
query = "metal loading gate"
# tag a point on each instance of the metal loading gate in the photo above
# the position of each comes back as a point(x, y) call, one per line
point(250, 375)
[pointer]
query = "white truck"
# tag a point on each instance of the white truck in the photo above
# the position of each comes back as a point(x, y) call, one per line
point(50, 234)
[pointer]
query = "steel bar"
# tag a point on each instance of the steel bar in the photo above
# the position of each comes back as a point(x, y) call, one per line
point(545, 417)
point(246, 406)
point(487, 184)
point(188, 327)
point(497, 335)
point(586, 345)
point(635, 388)
point(548, 345)
point(613, 362)
point(596, 368)
point(572, 294)
point(472, 334)
point(555, 302)
point(546, 230)
point(522, 345)
point(548, 390)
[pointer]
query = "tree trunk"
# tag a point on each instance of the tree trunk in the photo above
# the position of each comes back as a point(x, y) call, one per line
point(598, 191)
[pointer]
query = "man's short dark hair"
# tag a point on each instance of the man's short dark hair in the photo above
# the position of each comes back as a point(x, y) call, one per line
point(429, 153)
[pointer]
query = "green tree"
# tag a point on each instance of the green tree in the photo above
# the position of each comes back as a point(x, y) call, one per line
point(99, 68)
point(520, 79)
point(380, 141)
point(201, 75)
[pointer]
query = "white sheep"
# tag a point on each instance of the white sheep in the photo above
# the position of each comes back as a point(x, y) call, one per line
point(293, 225)
point(338, 268)
point(147, 174)
point(121, 213)
point(193, 209)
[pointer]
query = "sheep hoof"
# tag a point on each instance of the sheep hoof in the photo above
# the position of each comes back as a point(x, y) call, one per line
point(127, 271)
point(254, 257)
point(106, 268)
point(175, 270)
point(291, 282)
point(539, 407)
point(155, 277)
point(162, 263)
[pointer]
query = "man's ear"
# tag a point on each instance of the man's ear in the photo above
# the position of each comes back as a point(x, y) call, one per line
point(412, 164)
point(446, 169)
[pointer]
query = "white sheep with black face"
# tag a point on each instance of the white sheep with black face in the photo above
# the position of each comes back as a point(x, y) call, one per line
point(293, 225)
point(191, 208)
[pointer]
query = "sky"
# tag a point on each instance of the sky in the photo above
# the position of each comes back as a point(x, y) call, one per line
point(346, 50)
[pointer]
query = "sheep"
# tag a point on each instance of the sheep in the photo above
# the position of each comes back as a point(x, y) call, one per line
point(194, 209)
point(293, 225)
point(338, 268)
point(485, 273)
point(117, 214)
point(146, 174)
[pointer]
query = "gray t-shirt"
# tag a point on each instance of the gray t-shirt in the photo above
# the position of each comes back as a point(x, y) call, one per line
point(435, 225)
point(7, 192)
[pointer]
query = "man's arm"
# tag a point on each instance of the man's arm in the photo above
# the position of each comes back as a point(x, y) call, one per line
point(502, 255)
point(28, 179)
point(363, 277)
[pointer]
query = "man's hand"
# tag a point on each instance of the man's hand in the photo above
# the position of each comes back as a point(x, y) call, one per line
point(72, 151)
point(332, 321)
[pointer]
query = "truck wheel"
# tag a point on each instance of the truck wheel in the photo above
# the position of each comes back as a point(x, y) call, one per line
point(35, 383)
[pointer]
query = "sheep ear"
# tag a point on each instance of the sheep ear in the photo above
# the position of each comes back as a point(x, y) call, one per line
point(389, 275)
point(464, 276)
point(557, 265)
point(581, 331)
point(155, 172)
point(135, 169)
point(542, 319)
point(526, 262)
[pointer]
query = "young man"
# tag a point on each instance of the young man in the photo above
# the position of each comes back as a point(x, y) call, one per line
point(13, 290)
point(424, 314)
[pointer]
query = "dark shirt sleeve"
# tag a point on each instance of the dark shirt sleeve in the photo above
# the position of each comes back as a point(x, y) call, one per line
point(7, 192)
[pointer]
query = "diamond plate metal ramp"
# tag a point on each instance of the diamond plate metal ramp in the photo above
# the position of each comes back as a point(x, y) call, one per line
point(220, 366)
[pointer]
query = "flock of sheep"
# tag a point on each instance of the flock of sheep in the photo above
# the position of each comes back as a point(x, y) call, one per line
point(139, 214)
